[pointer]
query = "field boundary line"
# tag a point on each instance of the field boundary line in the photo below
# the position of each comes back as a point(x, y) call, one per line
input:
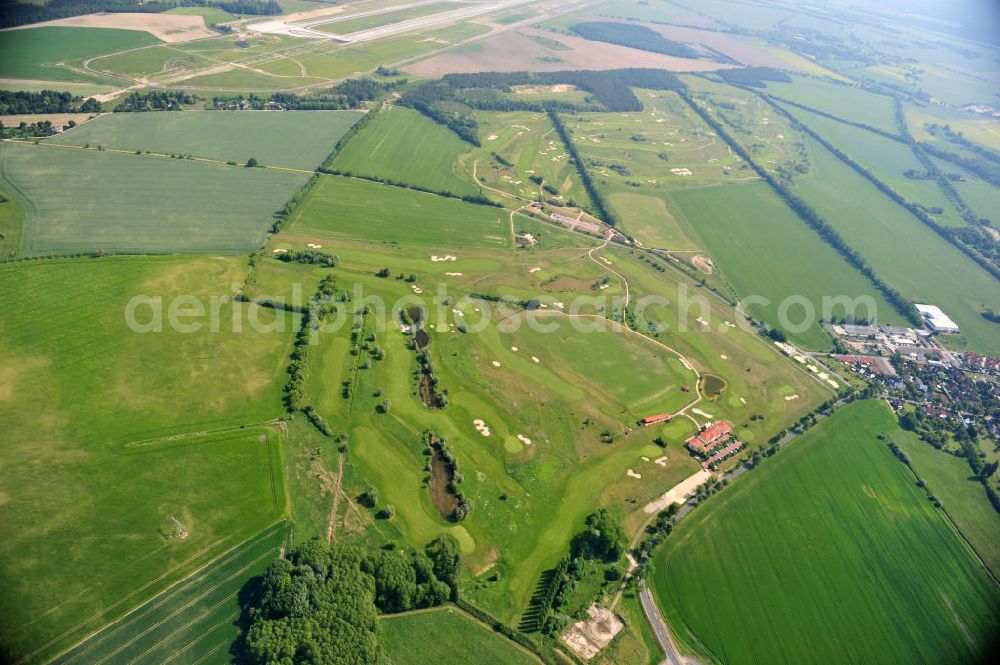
point(194, 435)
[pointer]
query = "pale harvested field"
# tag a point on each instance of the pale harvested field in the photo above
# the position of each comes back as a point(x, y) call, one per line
point(741, 50)
point(170, 28)
point(517, 51)
point(57, 119)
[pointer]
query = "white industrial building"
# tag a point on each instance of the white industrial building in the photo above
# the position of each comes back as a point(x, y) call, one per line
point(937, 320)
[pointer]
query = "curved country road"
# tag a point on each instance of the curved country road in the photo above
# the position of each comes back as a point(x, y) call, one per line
point(662, 631)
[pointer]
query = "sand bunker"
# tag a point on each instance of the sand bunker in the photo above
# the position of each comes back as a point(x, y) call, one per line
point(535, 359)
point(789, 398)
point(701, 413)
point(662, 461)
point(280, 251)
point(313, 245)
point(481, 426)
point(447, 257)
point(523, 439)
point(495, 363)
point(453, 274)
point(633, 474)
point(534, 270)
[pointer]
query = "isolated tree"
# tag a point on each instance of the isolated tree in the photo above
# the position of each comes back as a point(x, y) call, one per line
point(252, 163)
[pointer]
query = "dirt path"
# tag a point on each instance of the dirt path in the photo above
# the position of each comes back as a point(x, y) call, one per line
point(331, 525)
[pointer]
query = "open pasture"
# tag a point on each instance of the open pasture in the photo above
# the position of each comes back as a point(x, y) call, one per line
point(904, 252)
point(296, 139)
point(352, 208)
point(403, 145)
point(764, 249)
point(89, 491)
point(446, 635)
point(54, 53)
point(828, 548)
point(75, 201)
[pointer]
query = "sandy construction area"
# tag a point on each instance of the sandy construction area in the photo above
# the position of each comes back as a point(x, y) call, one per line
point(587, 638)
point(518, 51)
point(168, 27)
point(678, 493)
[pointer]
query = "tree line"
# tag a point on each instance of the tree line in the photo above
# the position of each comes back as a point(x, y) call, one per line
point(350, 94)
point(813, 219)
point(596, 198)
point(45, 101)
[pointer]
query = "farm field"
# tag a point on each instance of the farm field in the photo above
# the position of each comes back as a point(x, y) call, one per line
point(352, 208)
point(844, 101)
point(737, 584)
point(172, 625)
point(925, 267)
point(402, 145)
point(888, 160)
point(296, 139)
point(764, 249)
point(964, 498)
point(67, 453)
point(53, 53)
point(74, 201)
point(447, 635)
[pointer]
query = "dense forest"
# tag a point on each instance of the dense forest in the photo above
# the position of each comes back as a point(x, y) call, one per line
point(320, 604)
point(633, 36)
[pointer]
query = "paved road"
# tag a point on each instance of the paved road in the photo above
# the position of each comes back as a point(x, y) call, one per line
point(661, 630)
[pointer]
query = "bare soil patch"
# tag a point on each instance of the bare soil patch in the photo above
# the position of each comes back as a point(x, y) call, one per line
point(704, 264)
point(170, 28)
point(587, 638)
point(57, 119)
point(519, 51)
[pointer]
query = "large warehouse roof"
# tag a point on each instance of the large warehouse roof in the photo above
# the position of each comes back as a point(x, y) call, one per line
point(936, 319)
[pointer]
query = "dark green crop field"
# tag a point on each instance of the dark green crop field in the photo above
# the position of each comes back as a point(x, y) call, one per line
point(829, 548)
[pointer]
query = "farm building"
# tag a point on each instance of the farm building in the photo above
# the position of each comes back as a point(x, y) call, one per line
point(655, 420)
point(937, 320)
point(710, 435)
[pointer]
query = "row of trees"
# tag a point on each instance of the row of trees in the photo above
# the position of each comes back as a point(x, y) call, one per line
point(45, 101)
point(350, 94)
point(319, 604)
point(811, 217)
point(603, 211)
point(155, 100)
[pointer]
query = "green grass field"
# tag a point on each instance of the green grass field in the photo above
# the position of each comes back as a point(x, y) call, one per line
point(82, 511)
point(964, 497)
point(764, 249)
point(53, 53)
point(296, 139)
point(829, 548)
point(905, 253)
point(192, 621)
point(844, 101)
point(352, 208)
point(446, 635)
point(76, 201)
point(405, 146)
